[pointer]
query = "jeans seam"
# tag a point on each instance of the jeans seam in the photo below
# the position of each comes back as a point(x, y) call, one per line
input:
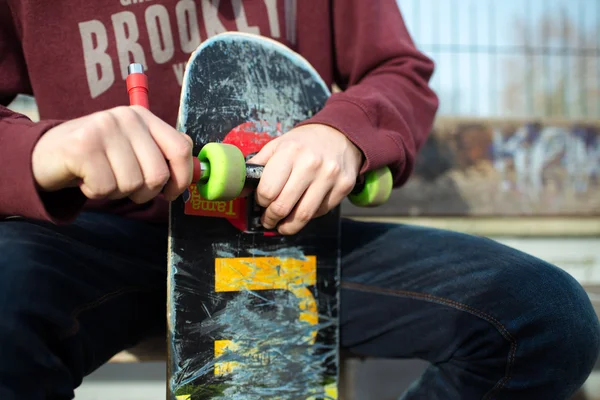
point(459, 306)
point(95, 303)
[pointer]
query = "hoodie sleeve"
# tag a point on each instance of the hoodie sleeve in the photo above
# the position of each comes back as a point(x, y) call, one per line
point(386, 107)
point(18, 136)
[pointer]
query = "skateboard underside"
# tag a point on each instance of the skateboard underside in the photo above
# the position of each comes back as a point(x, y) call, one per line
point(251, 314)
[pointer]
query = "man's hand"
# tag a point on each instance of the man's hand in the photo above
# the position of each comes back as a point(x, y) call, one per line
point(308, 171)
point(113, 154)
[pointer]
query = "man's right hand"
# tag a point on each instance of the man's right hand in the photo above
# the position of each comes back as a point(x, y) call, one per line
point(122, 152)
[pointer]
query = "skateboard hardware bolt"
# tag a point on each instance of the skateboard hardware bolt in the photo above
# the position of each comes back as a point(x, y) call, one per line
point(135, 68)
point(204, 172)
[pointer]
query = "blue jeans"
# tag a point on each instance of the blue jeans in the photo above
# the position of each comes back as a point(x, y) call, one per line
point(494, 323)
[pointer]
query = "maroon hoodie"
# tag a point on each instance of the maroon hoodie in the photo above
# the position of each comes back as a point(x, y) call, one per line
point(73, 57)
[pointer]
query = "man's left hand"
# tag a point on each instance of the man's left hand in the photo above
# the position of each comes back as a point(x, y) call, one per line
point(307, 172)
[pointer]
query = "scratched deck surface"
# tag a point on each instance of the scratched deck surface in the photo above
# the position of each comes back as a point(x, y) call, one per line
point(250, 316)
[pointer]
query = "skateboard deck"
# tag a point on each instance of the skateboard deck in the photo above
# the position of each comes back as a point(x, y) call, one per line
point(251, 314)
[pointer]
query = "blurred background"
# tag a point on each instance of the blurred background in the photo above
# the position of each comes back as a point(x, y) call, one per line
point(523, 58)
point(514, 155)
point(515, 151)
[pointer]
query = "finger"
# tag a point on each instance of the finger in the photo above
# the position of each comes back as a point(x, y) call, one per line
point(181, 169)
point(98, 180)
point(153, 166)
point(310, 204)
point(124, 165)
point(284, 203)
point(274, 177)
point(265, 154)
point(326, 206)
point(335, 197)
point(343, 187)
point(176, 148)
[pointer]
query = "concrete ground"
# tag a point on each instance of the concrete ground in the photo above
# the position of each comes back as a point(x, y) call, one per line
point(380, 379)
point(374, 379)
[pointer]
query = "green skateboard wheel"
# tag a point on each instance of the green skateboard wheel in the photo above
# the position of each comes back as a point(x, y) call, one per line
point(376, 190)
point(226, 175)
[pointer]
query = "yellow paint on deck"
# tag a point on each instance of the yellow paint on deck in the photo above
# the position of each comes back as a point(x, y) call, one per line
point(266, 273)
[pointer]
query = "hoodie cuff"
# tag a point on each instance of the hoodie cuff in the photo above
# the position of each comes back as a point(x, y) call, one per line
point(19, 195)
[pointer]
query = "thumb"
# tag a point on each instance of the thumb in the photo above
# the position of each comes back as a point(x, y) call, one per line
point(265, 154)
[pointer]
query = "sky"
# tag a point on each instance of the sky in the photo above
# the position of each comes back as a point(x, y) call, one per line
point(451, 31)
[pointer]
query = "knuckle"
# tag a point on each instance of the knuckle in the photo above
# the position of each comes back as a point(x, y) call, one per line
point(266, 195)
point(102, 126)
point(347, 183)
point(135, 108)
point(312, 161)
point(105, 122)
point(142, 197)
point(101, 191)
point(322, 211)
point(304, 216)
point(158, 178)
point(127, 116)
point(131, 185)
point(287, 230)
point(332, 169)
point(84, 140)
point(183, 149)
point(291, 146)
point(279, 210)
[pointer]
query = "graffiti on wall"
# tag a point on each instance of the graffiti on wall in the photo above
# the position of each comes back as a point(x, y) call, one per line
point(503, 168)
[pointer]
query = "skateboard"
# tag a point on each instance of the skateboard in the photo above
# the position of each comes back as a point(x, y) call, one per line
point(251, 314)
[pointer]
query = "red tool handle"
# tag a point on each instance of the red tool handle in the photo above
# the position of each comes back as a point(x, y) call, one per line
point(137, 87)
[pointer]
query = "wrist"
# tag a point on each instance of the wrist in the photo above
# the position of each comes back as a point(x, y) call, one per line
point(361, 156)
point(357, 156)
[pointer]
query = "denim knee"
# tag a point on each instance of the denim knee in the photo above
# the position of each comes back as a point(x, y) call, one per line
point(557, 330)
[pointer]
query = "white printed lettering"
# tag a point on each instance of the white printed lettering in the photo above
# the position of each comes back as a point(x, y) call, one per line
point(211, 18)
point(241, 20)
point(290, 20)
point(187, 20)
point(123, 23)
point(98, 65)
point(159, 27)
point(179, 69)
point(273, 17)
point(130, 2)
